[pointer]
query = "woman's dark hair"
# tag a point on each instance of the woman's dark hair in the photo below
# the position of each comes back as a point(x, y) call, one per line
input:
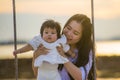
point(85, 44)
point(53, 25)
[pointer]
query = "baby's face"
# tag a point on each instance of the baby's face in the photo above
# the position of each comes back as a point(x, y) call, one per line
point(50, 35)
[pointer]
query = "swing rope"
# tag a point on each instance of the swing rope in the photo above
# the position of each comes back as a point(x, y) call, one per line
point(92, 17)
point(15, 40)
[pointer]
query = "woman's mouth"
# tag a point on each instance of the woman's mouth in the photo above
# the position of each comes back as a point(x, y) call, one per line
point(69, 39)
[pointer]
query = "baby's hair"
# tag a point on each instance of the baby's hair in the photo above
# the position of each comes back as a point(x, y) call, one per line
point(53, 25)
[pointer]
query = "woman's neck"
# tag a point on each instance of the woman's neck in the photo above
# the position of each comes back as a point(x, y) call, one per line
point(72, 51)
point(72, 47)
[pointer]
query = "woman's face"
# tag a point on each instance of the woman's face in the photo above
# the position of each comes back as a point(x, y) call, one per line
point(73, 32)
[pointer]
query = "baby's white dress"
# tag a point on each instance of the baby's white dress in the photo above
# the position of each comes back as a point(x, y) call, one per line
point(48, 64)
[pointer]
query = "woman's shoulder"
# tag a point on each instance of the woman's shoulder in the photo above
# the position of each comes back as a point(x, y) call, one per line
point(91, 53)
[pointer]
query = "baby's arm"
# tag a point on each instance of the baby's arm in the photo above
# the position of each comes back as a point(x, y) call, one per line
point(25, 48)
point(32, 45)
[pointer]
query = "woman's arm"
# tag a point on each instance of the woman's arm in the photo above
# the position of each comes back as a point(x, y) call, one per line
point(35, 69)
point(35, 55)
point(74, 71)
point(40, 51)
point(78, 73)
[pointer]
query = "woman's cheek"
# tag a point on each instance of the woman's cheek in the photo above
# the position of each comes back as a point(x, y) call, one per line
point(64, 31)
point(74, 40)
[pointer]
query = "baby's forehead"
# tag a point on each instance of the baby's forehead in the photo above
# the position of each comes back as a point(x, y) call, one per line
point(49, 28)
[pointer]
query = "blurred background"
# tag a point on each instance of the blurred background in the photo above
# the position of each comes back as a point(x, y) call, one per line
point(30, 14)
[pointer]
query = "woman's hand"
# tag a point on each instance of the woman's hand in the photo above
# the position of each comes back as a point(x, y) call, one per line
point(40, 51)
point(61, 51)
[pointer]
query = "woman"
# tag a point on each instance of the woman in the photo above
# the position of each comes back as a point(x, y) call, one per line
point(78, 31)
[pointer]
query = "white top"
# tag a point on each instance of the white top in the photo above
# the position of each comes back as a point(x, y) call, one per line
point(53, 56)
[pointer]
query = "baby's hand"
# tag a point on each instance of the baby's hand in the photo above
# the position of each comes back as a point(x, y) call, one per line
point(16, 52)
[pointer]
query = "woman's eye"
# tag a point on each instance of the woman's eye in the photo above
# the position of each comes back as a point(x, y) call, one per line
point(76, 33)
point(68, 28)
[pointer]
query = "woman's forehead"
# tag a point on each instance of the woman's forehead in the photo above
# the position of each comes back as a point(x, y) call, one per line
point(76, 26)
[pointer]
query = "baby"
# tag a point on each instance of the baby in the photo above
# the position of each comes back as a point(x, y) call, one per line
point(50, 38)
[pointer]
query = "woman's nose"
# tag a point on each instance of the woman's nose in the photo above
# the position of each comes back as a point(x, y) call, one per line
point(69, 34)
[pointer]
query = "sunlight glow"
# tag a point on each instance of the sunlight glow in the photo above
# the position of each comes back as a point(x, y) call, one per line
point(108, 48)
point(102, 8)
point(103, 48)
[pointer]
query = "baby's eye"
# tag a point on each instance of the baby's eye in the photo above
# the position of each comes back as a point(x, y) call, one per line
point(46, 32)
point(53, 33)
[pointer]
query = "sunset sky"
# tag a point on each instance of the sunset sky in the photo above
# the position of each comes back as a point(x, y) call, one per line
point(106, 13)
point(103, 8)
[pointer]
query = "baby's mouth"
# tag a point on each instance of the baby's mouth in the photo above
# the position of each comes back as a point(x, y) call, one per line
point(49, 38)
